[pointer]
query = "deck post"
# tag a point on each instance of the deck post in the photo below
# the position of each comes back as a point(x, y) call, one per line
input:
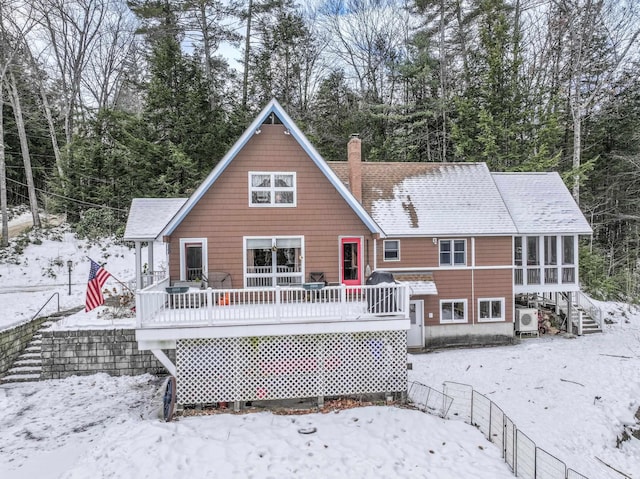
point(209, 294)
point(343, 300)
point(277, 303)
point(140, 307)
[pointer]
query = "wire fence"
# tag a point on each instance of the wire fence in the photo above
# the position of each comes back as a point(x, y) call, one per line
point(521, 454)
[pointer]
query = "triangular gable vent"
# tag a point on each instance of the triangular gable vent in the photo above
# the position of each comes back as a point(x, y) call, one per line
point(272, 119)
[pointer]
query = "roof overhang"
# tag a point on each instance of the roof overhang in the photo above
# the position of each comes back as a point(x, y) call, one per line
point(420, 283)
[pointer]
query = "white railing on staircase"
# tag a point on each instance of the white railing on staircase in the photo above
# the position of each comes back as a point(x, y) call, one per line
point(590, 308)
point(581, 306)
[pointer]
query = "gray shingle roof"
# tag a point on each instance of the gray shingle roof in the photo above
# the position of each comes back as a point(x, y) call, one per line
point(540, 203)
point(149, 216)
point(432, 199)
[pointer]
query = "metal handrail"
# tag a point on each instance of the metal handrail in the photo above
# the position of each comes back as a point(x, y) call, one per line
point(45, 304)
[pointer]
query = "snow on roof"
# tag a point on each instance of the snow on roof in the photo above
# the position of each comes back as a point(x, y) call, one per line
point(419, 283)
point(432, 199)
point(148, 217)
point(541, 203)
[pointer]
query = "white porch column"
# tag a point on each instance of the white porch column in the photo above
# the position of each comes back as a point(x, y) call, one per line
point(138, 265)
point(150, 259)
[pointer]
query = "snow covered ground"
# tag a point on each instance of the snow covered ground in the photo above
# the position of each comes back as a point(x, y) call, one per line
point(42, 271)
point(573, 397)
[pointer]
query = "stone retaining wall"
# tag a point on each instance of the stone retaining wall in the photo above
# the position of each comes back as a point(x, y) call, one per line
point(14, 339)
point(81, 352)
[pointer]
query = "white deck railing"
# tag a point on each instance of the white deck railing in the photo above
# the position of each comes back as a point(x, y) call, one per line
point(213, 307)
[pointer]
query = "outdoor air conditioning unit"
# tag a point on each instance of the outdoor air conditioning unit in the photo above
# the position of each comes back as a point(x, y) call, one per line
point(526, 319)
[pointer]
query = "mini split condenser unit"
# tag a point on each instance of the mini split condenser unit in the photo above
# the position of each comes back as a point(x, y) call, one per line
point(526, 319)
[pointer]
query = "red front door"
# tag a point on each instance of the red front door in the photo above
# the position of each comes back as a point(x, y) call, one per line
point(350, 261)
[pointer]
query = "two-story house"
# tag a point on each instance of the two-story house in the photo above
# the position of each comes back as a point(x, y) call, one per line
point(269, 292)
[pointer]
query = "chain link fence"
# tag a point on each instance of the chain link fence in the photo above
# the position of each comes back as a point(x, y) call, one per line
point(460, 401)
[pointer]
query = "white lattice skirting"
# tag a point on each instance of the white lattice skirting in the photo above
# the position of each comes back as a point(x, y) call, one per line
point(287, 367)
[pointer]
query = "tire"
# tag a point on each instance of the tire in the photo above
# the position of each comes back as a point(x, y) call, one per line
point(169, 399)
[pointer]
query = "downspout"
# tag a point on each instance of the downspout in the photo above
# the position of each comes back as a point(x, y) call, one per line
point(473, 285)
point(375, 254)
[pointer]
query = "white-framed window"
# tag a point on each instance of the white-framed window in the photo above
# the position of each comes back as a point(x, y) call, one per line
point(273, 261)
point(453, 311)
point(268, 188)
point(453, 252)
point(391, 250)
point(193, 259)
point(490, 309)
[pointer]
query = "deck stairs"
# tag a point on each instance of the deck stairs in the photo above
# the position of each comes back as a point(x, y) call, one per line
point(28, 366)
point(591, 314)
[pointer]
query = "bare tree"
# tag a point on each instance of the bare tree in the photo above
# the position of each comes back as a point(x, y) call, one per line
point(69, 34)
point(14, 97)
point(594, 38)
point(110, 51)
point(369, 36)
point(9, 48)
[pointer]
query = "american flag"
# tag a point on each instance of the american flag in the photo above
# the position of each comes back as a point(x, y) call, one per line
point(97, 277)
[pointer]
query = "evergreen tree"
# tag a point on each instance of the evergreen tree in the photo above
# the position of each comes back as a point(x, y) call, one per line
point(335, 118)
point(489, 119)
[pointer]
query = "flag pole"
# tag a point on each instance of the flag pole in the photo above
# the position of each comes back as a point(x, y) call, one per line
point(110, 274)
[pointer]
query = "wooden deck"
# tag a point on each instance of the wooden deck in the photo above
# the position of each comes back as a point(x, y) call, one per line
point(157, 308)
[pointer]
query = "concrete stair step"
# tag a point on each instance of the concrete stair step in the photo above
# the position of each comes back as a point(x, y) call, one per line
point(25, 370)
point(31, 355)
point(33, 349)
point(19, 378)
point(27, 362)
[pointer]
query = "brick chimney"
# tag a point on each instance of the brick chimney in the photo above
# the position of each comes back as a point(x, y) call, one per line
point(354, 157)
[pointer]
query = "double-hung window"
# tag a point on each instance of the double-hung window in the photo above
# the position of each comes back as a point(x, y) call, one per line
point(392, 250)
point(453, 252)
point(453, 311)
point(272, 189)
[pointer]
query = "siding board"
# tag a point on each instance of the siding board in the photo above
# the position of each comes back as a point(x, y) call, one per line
point(224, 217)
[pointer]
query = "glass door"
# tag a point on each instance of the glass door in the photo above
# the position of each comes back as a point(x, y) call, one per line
point(350, 263)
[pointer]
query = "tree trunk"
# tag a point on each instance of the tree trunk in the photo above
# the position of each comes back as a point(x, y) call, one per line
point(206, 43)
point(247, 47)
point(52, 129)
point(443, 82)
point(24, 146)
point(577, 149)
point(4, 242)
